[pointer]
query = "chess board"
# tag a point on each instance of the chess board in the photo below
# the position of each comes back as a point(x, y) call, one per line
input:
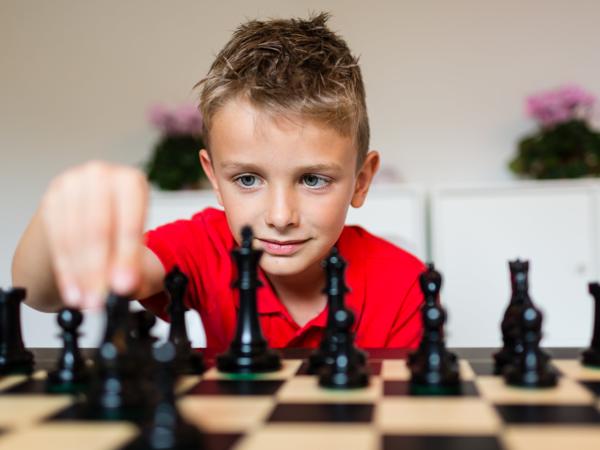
point(288, 410)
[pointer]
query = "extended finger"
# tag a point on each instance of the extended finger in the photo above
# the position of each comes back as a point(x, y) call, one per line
point(130, 196)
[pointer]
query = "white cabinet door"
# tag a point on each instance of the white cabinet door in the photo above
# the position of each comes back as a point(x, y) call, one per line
point(475, 232)
point(396, 213)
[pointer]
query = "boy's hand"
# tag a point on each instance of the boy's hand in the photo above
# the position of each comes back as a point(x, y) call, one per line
point(93, 216)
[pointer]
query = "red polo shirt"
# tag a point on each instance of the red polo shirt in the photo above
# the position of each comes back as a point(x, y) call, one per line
point(385, 295)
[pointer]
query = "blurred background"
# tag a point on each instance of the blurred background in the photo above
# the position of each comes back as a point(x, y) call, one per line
point(446, 83)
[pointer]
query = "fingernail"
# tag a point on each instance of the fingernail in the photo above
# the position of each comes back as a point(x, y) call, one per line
point(122, 281)
point(72, 295)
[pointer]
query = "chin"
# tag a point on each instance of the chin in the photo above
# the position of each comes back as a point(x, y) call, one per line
point(278, 265)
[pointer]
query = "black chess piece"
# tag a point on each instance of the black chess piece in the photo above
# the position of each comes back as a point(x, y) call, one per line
point(71, 374)
point(434, 369)
point(14, 358)
point(140, 346)
point(532, 368)
point(336, 289)
point(347, 369)
point(248, 352)
point(511, 333)
point(430, 283)
point(140, 333)
point(167, 430)
point(591, 356)
point(188, 361)
point(115, 392)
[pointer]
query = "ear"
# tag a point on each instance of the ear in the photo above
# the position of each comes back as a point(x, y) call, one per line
point(364, 178)
point(207, 166)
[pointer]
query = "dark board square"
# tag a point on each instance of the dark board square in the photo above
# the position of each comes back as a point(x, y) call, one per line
point(403, 388)
point(593, 386)
point(374, 368)
point(80, 412)
point(548, 414)
point(235, 387)
point(35, 386)
point(392, 442)
point(322, 412)
point(29, 386)
point(210, 441)
point(482, 367)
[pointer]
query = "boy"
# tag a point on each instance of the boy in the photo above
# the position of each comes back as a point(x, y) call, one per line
point(287, 135)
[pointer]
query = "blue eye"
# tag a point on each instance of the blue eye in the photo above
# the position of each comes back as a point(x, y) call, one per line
point(314, 181)
point(246, 180)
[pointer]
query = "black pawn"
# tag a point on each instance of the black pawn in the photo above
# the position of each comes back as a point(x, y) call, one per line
point(591, 356)
point(188, 361)
point(511, 332)
point(71, 374)
point(141, 343)
point(336, 289)
point(14, 358)
point(532, 368)
point(166, 429)
point(348, 369)
point(248, 352)
point(143, 322)
point(434, 369)
point(115, 392)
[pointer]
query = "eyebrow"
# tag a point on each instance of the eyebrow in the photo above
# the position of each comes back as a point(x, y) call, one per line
point(250, 167)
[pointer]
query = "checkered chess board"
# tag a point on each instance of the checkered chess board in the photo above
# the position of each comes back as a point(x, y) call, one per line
point(288, 410)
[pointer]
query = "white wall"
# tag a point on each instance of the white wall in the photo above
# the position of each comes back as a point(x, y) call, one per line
point(445, 80)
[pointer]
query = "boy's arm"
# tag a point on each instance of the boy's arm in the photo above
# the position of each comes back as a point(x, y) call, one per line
point(86, 234)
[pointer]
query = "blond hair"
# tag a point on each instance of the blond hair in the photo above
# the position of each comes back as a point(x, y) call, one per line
point(288, 67)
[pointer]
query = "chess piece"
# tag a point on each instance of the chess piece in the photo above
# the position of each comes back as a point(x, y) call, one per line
point(348, 369)
point(188, 361)
point(248, 352)
point(511, 334)
point(336, 290)
point(434, 369)
point(116, 393)
point(140, 345)
point(14, 358)
point(143, 321)
point(532, 368)
point(71, 374)
point(591, 356)
point(167, 430)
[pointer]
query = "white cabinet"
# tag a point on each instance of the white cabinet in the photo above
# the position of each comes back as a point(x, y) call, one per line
point(475, 232)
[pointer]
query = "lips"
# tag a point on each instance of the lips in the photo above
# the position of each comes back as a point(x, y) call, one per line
point(282, 248)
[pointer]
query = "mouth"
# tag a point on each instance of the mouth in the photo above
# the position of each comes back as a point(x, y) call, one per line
point(282, 248)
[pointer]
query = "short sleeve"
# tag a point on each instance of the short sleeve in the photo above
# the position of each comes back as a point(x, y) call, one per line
point(196, 246)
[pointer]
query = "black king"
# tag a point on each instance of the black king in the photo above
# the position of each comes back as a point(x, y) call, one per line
point(248, 352)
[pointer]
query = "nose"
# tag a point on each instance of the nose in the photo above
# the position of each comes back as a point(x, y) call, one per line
point(282, 210)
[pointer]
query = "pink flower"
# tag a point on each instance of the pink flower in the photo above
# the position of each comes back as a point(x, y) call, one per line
point(560, 105)
point(184, 119)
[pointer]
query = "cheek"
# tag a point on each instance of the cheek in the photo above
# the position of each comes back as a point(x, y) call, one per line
point(328, 213)
point(239, 210)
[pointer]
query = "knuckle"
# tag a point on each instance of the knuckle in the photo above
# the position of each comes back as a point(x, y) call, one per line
point(96, 169)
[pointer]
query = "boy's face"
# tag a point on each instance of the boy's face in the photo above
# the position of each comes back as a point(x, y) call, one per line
point(291, 180)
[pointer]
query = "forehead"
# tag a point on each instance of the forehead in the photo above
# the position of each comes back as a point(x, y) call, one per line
point(239, 131)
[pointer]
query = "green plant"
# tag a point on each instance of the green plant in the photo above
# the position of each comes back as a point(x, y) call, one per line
point(565, 145)
point(175, 164)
